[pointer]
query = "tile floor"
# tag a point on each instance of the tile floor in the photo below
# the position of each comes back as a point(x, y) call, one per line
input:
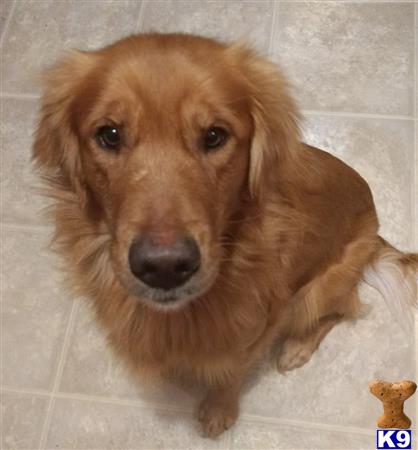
point(353, 66)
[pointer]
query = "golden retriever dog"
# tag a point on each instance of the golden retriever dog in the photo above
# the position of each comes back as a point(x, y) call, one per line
point(190, 213)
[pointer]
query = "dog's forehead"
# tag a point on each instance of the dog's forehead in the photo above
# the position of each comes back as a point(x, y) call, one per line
point(164, 86)
point(168, 74)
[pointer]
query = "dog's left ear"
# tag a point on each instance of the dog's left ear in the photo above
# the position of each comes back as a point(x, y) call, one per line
point(275, 143)
point(55, 149)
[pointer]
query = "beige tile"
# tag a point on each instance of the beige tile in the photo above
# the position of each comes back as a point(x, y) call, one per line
point(225, 20)
point(346, 56)
point(21, 201)
point(35, 310)
point(415, 187)
point(23, 416)
point(92, 368)
point(382, 151)
point(416, 60)
point(5, 8)
point(256, 435)
point(87, 425)
point(42, 30)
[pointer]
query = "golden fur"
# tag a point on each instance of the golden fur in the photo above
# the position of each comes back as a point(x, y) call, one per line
point(285, 230)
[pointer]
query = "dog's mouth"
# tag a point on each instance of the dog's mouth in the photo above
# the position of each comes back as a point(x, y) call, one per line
point(171, 299)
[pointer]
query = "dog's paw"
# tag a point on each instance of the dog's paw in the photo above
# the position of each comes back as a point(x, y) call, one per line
point(295, 353)
point(216, 416)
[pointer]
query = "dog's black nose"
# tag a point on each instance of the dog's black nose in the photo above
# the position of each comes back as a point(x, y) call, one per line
point(164, 266)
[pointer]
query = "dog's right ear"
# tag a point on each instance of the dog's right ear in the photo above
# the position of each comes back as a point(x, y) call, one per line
point(55, 149)
point(275, 147)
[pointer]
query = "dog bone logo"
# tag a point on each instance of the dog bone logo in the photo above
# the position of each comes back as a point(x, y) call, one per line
point(393, 396)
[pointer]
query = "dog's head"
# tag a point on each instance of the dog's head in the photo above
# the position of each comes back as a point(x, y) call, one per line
point(166, 139)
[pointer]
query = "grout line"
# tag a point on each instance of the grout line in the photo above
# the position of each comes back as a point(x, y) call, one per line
point(27, 227)
point(89, 398)
point(13, 95)
point(2, 39)
point(308, 425)
point(1, 287)
point(58, 375)
point(6, 25)
point(125, 402)
point(186, 411)
point(228, 440)
point(20, 390)
point(415, 181)
point(139, 18)
point(312, 112)
point(273, 28)
point(415, 59)
point(47, 422)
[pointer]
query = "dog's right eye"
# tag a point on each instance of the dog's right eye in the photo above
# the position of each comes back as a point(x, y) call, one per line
point(108, 137)
point(213, 138)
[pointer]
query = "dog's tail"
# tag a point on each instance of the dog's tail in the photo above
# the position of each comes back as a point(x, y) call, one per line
point(395, 275)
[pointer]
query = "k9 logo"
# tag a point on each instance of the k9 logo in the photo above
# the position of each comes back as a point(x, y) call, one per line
point(394, 439)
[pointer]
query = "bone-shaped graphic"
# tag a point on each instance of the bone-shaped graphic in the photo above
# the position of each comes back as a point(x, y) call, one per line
point(393, 396)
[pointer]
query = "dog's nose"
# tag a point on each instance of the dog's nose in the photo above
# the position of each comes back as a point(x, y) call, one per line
point(164, 266)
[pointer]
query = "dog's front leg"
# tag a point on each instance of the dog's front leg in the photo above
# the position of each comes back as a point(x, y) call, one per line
point(219, 410)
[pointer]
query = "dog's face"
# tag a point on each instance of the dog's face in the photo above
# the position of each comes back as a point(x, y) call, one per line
point(161, 137)
point(164, 145)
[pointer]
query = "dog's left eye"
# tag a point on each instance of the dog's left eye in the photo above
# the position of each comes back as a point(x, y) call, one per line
point(108, 137)
point(214, 137)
